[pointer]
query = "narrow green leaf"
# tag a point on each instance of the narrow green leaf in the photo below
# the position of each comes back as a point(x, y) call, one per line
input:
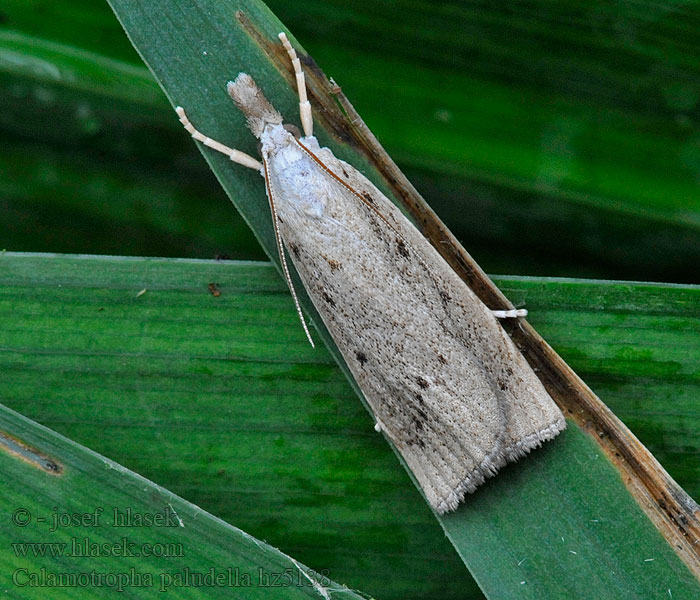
point(76, 524)
point(220, 399)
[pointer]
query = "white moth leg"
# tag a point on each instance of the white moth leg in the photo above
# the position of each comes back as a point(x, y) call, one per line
point(510, 314)
point(379, 426)
point(307, 121)
point(235, 155)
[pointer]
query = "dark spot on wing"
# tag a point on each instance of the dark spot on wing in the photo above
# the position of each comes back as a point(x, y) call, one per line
point(328, 299)
point(401, 248)
point(417, 440)
point(418, 424)
point(444, 296)
point(367, 197)
point(379, 229)
point(361, 358)
point(442, 359)
point(333, 264)
point(295, 249)
point(345, 173)
point(423, 383)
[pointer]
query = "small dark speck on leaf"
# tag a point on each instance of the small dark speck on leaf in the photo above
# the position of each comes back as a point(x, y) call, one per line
point(53, 467)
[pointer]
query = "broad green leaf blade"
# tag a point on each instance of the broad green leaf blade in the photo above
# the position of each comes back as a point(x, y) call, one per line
point(220, 399)
point(76, 524)
point(528, 130)
point(638, 346)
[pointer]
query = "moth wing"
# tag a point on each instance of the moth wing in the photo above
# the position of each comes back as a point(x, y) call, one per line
point(532, 416)
point(445, 381)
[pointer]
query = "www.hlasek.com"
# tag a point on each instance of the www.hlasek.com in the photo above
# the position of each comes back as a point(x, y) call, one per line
point(85, 547)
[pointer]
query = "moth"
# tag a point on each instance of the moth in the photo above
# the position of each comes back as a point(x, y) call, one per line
point(443, 379)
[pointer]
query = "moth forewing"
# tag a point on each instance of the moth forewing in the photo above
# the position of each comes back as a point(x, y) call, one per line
point(444, 381)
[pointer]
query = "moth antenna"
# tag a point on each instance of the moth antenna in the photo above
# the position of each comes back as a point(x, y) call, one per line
point(235, 155)
point(307, 121)
point(510, 314)
point(283, 260)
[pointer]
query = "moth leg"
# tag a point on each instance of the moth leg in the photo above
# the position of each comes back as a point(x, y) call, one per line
point(379, 426)
point(510, 314)
point(235, 155)
point(307, 122)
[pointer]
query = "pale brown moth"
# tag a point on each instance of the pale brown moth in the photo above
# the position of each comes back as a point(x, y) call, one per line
point(445, 382)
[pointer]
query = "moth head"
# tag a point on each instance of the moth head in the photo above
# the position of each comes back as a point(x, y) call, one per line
point(293, 129)
point(250, 100)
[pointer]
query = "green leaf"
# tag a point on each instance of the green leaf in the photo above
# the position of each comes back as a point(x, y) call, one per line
point(553, 139)
point(60, 197)
point(220, 399)
point(81, 525)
